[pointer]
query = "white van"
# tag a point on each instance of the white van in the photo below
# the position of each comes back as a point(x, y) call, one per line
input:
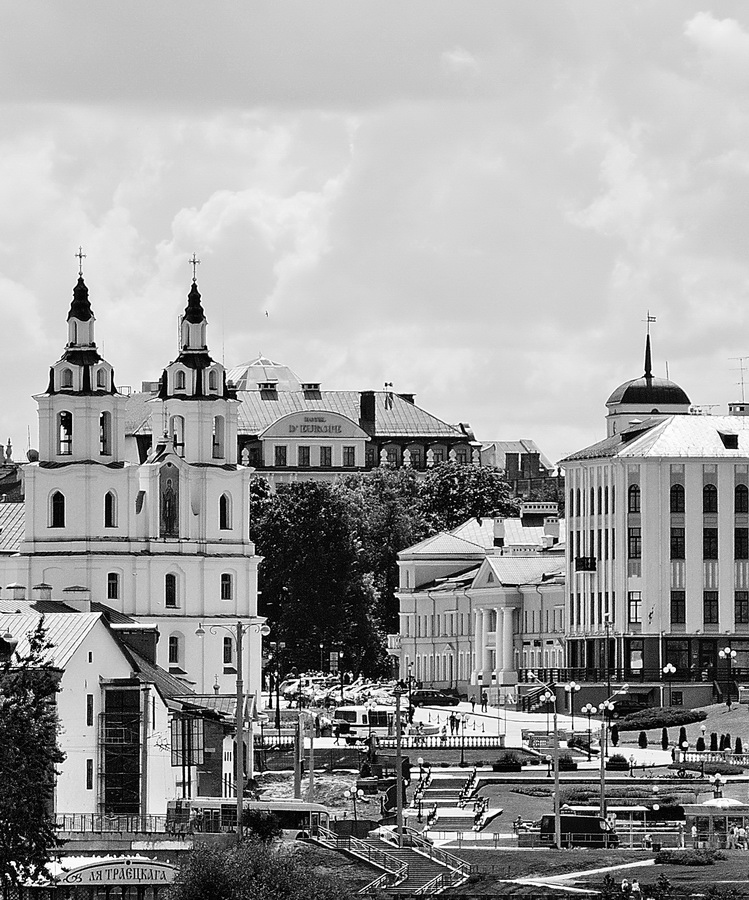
point(357, 723)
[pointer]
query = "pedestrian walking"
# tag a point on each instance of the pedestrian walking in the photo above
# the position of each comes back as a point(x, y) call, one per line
point(694, 836)
point(484, 701)
point(473, 704)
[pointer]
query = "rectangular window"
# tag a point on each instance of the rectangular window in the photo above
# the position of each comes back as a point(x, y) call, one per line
point(634, 607)
point(326, 457)
point(710, 607)
point(170, 591)
point(173, 650)
point(113, 586)
point(89, 774)
point(741, 608)
point(304, 458)
point(227, 587)
point(634, 543)
point(678, 607)
point(709, 543)
point(461, 457)
point(89, 710)
point(678, 543)
point(228, 651)
point(741, 543)
point(279, 455)
point(349, 457)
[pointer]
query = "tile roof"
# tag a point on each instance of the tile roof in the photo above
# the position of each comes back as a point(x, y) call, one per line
point(11, 526)
point(444, 544)
point(256, 413)
point(66, 631)
point(675, 437)
point(516, 533)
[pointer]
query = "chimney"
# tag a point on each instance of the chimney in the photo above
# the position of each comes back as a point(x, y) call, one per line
point(44, 591)
point(17, 591)
point(77, 597)
point(512, 466)
point(367, 411)
point(499, 532)
point(551, 528)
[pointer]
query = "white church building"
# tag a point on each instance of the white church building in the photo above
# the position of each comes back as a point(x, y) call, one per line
point(165, 541)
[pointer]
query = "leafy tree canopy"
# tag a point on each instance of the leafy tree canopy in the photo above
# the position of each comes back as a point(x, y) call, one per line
point(452, 494)
point(29, 755)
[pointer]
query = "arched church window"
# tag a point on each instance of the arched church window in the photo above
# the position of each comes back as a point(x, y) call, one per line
point(179, 381)
point(709, 499)
point(218, 437)
point(633, 498)
point(224, 512)
point(170, 590)
point(677, 498)
point(64, 433)
point(66, 378)
point(213, 380)
point(741, 499)
point(57, 510)
point(175, 650)
point(101, 378)
point(177, 431)
point(110, 510)
point(105, 434)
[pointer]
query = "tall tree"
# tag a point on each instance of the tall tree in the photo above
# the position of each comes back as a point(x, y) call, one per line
point(29, 755)
point(452, 493)
point(315, 587)
point(385, 505)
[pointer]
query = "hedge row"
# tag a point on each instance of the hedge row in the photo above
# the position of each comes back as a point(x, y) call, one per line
point(660, 717)
point(688, 857)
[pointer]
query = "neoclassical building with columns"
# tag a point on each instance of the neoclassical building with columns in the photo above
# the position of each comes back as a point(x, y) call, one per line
point(482, 602)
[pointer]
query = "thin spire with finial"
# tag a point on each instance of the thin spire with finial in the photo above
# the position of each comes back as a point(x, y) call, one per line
point(80, 256)
point(194, 262)
point(648, 356)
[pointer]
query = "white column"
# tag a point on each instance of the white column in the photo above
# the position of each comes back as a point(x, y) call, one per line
point(477, 637)
point(498, 655)
point(485, 666)
point(510, 675)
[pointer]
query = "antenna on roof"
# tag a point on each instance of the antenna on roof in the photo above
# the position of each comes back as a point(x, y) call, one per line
point(666, 370)
point(742, 369)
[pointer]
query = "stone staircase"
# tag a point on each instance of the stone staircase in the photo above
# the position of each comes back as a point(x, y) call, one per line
point(422, 871)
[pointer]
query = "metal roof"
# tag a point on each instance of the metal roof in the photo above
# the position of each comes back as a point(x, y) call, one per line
point(259, 409)
point(65, 631)
point(516, 533)
point(514, 570)
point(444, 544)
point(11, 526)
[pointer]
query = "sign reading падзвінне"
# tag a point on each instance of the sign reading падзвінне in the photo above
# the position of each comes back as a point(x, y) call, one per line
point(121, 871)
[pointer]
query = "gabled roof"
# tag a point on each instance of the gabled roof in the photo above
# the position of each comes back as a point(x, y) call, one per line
point(675, 437)
point(515, 570)
point(11, 526)
point(169, 687)
point(443, 544)
point(66, 631)
point(502, 448)
point(517, 534)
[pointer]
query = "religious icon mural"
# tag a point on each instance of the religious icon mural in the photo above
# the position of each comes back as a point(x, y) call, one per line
point(169, 486)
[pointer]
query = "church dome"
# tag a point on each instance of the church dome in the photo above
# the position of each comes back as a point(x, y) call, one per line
point(250, 375)
point(649, 391)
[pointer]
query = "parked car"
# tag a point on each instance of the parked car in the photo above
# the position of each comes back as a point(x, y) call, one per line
point(425, 697)
point(629, 703)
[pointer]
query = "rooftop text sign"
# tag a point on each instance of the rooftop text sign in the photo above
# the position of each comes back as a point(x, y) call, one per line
point(121, 871)
point(314, 424)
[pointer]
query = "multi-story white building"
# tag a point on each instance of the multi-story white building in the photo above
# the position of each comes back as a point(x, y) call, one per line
point(482, 602)
point(658, 547)
point(165, 540)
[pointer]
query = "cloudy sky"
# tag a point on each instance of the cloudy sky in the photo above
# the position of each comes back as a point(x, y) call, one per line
point(478, 201)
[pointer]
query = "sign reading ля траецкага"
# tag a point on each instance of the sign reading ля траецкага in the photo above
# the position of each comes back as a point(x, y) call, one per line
point(120, 871)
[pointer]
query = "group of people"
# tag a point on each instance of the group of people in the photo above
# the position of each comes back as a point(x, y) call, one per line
point(736, 838)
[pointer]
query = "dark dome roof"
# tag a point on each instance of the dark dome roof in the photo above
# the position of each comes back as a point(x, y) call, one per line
point(649, 391)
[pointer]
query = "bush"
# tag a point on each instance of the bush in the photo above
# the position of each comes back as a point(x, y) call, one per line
point(261, 825)
point(567, 763)
point(728, 741)
point(700, 744)
point(739, 748)
point(664, 739)
point(617, 763)
point(508, 762)
point(713, 742)
point(642, 740)
point(660, 717)
point(722, 744)
point(682, 736)
point(688, 857)
point(710, 768)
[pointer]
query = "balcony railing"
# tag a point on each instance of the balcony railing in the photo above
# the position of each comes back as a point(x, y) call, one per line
point(585, 563)
point(617, 675)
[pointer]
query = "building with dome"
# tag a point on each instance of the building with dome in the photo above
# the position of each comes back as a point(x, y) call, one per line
point(163, 539)
point(289, 430)
point(658, 549)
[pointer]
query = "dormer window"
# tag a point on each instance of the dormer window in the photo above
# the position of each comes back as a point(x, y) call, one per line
point(179, 381)
point(101, 378)
point(730, 441)
point(213, 380)
point(66, 378)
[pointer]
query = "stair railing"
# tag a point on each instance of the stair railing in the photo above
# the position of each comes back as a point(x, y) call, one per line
point(396, 870)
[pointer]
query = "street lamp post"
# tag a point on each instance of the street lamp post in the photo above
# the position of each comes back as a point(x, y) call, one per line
point(572, 688)
point(340, 672)
point(669, 670)
point(547, 697)
point(355, 795)
point(322, 648)
point(557, 808)
point(463, 720)
point(239, 630)
point(589, 710)
point(399, 691)
point(606, 707)
point(729, 655)
point(277, 647)
point(607, 626)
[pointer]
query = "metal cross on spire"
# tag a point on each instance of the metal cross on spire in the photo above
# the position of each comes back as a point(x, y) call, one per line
point(80, 256)
point(194, 262)
point(649, 319)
